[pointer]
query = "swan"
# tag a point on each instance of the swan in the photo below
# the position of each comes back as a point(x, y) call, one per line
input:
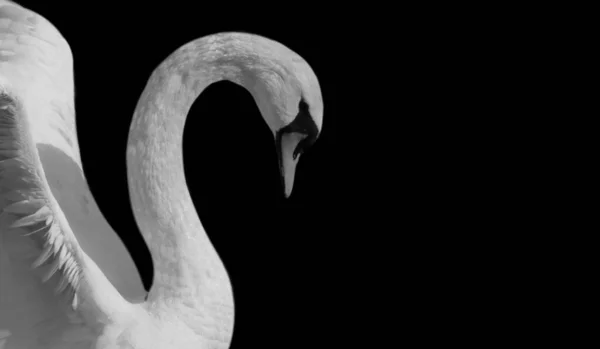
point(56, 289)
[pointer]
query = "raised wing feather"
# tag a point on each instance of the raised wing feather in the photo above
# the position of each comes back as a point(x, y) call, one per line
point(41, 264)
point(52, 295)
point(36, 65)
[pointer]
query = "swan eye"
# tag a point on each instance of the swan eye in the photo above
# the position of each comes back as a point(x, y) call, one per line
point(304, 129)
point(303, 106)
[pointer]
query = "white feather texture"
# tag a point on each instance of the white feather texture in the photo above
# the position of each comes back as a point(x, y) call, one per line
point(66, 280)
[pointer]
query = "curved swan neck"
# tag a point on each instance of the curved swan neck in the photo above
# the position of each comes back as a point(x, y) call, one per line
point(186, 265)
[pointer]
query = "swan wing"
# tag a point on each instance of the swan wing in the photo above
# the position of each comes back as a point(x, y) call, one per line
point(37, 62)
point(52, 294)
point(50, 290)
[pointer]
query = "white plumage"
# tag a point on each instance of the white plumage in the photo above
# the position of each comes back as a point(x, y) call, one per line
point(66, 281)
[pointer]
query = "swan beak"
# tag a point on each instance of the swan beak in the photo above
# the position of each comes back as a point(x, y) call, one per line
point(288, 158)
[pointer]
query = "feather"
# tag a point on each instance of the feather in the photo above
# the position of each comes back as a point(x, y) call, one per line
point(14, 162)
point(68, 276)
point(43, 257)
point(37, 217)
point(25, 206)
point(45, 227)
point(59, 260)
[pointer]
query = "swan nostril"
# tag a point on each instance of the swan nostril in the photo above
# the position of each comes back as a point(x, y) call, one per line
point(306, 142)
point(300, 148)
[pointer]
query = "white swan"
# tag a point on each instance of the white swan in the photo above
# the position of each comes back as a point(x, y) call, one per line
point(56, 289)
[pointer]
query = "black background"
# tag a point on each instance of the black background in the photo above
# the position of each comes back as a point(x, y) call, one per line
point(275, 250)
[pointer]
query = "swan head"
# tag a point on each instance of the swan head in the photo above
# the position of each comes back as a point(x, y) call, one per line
point(289, 98)
point(292, 140)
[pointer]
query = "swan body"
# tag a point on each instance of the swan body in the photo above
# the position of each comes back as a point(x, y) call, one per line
point(58, 289)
